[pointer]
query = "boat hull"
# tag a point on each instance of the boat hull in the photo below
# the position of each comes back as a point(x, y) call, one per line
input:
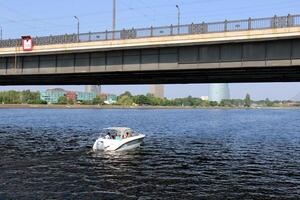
point(118, 145)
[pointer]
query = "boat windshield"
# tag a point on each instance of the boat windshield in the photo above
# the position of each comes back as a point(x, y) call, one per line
point(120, 133)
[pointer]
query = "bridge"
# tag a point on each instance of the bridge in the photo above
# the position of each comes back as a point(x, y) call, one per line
point(250, 50)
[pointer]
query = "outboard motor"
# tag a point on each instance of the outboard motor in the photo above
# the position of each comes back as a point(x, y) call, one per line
point(98, 146)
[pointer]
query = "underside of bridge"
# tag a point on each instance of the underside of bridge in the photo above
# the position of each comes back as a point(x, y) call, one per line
point(230, 75)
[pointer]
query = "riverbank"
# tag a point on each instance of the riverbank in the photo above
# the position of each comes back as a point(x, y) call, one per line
point(54, 106)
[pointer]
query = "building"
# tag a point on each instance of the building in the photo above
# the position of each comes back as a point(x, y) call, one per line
point(204, 98)
point(93, 88)
point(52, 95)
point(111, 99)
point(218, 92)
point(157, 91)
point(86, 96)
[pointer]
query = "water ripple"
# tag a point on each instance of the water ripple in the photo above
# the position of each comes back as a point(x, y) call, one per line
point(188, 154)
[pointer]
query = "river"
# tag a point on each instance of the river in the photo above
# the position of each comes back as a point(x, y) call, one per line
point(187, 154)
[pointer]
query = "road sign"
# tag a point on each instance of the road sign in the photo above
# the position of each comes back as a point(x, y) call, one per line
point(27, 43)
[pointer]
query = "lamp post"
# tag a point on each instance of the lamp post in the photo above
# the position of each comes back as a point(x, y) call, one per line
point(1, 31)
point(114, 18)
point(78, 27)
point(178, 16)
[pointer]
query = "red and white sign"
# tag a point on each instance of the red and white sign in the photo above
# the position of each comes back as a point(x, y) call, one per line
point(27, 43)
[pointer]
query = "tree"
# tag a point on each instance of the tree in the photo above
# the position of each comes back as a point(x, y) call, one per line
point(268, 102)
point(98, 101)
point(125, 100)
point(126, 94)
point(70, 102)
point(153, 101)
point(27, 96)
point(141, 100)
point(213, 103)
point(62, 100)
point(247, 102)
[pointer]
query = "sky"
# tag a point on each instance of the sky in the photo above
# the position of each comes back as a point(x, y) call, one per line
point(39, 18)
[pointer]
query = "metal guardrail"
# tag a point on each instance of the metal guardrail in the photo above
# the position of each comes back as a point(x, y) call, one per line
point(202, 28)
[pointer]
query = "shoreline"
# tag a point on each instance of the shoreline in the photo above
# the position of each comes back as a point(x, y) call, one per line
point(40, 106)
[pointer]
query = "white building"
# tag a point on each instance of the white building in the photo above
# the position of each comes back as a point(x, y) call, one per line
point(93, 88)
point(204, 98)
point(219, 92)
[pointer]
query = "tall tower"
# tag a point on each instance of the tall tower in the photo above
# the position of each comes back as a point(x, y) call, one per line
point(157, 91)
point(93, 88)
point(218, 92)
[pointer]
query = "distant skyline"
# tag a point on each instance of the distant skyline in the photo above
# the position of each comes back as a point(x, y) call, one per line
point(57, 17)
point(258, 91)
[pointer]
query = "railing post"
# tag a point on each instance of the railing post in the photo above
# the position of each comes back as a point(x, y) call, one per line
point(106, 35)
point(134, 33)
point(75, 38)
point(225, 25)
point(203, 29)
point(90, 36)
point(191, 29)
point(249, 23)
point(151, 31)
point(274, 21)
point(171, 31)
point(123, 34)
point(289, 20)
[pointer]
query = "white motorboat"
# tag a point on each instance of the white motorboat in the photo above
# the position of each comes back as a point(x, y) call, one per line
point(118, 139)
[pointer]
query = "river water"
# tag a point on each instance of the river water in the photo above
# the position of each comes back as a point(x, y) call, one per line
point(188, 154)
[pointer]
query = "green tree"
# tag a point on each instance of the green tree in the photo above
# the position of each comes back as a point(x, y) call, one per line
point(62, 100)
point(126, 94)
point(70, 102)
point(154, 101)
point(227, 103)
point(213, 103)
point(125, 100)
point(98, 101)
point(27, 96)
point(141, 100)
point(247, 100)
point(268, 102)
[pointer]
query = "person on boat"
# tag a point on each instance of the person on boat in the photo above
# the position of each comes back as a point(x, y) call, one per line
point(107, 135)
point(129, 134)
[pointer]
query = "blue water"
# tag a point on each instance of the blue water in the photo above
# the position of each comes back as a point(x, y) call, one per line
point(188, 154)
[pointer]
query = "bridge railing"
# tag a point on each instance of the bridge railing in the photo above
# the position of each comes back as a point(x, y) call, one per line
point(200, 28)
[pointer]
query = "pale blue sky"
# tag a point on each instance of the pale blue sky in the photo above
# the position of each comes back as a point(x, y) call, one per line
point(35, 17)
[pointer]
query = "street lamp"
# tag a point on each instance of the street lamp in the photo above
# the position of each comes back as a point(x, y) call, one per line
point(1, 32)
point(114, 16)
point(114, 19)
point(178, 15)
point(78, 27)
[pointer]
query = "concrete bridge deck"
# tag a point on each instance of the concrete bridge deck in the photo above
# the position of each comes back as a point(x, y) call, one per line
point(259, 55)
point(155, 42)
